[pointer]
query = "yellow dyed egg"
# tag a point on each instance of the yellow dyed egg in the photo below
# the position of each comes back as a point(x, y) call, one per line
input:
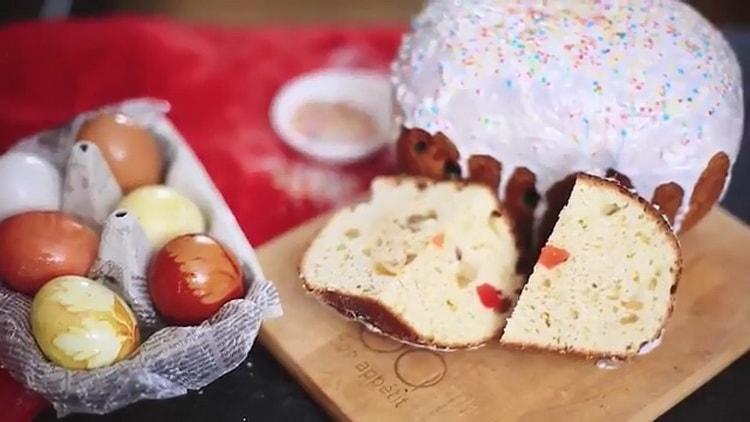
point(163, 213)
point(81, 324)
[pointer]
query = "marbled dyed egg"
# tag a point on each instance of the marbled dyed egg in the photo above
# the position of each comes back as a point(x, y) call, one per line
point(192, 277)
point(80, 324)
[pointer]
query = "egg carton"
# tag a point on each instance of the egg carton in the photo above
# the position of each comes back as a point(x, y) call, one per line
point(171, 360)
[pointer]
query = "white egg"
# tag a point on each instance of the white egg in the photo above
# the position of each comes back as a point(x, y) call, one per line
point(28, 183)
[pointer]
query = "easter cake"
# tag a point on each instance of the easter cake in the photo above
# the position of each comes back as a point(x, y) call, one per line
point(522, 95)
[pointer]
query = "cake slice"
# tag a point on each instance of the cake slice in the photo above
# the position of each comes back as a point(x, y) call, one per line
point(427, 263)
point(604, 281)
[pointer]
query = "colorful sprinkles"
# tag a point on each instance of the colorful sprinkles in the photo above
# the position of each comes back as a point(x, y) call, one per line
point(603, 41)
point(559, 86)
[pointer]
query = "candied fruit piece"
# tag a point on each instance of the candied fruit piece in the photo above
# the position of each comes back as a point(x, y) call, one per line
point(553, 256)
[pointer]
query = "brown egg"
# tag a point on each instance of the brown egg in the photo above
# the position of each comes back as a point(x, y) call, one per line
point(130, 150)
point(192, 277)
point(37, 246)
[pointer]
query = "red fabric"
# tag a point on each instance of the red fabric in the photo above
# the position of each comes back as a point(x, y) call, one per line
point(220, 83)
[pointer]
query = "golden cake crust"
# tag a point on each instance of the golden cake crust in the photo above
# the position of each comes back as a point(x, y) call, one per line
point(421, 154)
point(379, 318)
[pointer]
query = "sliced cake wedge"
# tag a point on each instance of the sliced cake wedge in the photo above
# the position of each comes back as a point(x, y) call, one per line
point(603, 285)
point(427, 263)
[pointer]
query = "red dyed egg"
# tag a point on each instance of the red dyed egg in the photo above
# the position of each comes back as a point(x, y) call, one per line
point(37, 246)
point(191, 277)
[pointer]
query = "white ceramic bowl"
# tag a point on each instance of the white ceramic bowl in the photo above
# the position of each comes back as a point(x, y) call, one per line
point(369, 92)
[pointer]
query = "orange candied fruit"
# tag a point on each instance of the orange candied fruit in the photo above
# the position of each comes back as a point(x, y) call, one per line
point(553, 256)
point(438, 240)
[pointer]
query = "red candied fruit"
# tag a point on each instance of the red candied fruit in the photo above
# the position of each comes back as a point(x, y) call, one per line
point(553, 256)
point(492, 298)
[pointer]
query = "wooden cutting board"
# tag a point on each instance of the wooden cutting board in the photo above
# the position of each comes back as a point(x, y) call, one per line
point(361, 376)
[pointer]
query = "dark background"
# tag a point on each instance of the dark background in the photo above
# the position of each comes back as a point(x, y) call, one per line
point(260, 389)
point(242, 12)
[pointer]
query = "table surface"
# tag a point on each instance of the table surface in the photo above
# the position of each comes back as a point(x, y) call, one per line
point(260, 389)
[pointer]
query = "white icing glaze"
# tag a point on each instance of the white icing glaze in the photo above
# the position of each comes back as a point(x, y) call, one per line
point(651, 345)
point(613, 363)
point(648, 87)
point(608, 363)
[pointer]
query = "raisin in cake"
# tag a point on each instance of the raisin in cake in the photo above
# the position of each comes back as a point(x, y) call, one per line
point(428, 263)
point(604, 281)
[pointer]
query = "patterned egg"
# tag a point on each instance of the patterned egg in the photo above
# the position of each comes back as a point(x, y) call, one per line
point(193, 276)
point(130, 150)
point(80, 324)
point(163, 213)
point(27, 183)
